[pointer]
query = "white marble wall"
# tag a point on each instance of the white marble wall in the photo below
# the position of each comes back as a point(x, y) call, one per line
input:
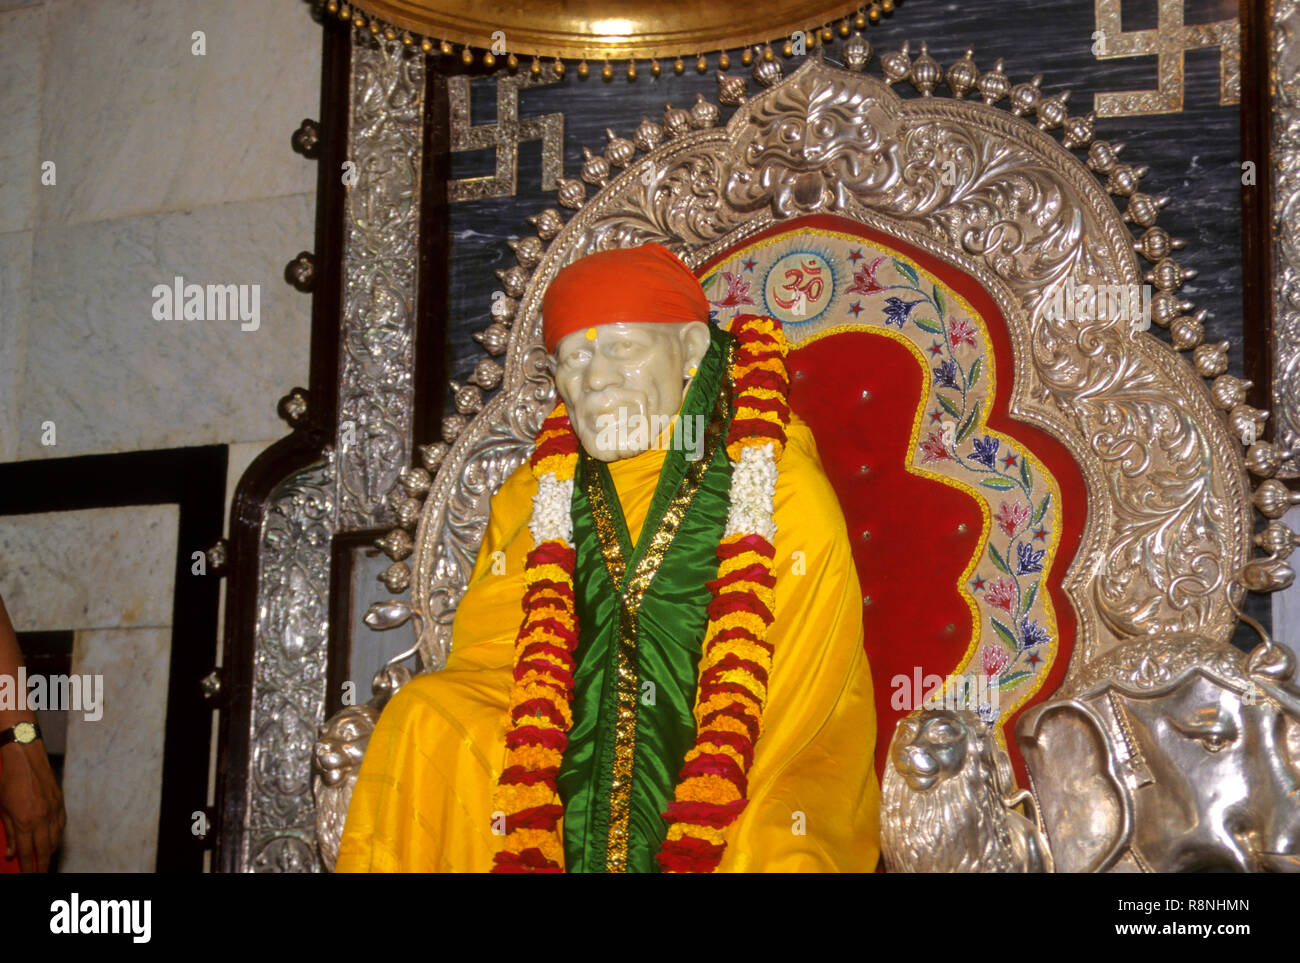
point(165, 163)
point(112, 768)
point(93, 569)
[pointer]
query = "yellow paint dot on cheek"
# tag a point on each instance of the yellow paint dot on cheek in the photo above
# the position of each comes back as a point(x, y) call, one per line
point(591, 334)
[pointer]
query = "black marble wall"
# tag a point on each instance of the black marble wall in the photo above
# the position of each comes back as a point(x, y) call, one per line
point(1193, 155)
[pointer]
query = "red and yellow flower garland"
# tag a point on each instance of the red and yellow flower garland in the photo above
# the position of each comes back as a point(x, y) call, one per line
point(527, 804)
point(736, 660)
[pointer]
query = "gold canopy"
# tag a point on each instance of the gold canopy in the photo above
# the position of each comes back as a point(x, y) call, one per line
point(609, 29)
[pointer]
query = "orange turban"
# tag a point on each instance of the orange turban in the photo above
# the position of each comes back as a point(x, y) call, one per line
point(646, 283)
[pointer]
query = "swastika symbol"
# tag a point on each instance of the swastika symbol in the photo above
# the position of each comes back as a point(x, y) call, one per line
point(505, 135)
point(1169, 41)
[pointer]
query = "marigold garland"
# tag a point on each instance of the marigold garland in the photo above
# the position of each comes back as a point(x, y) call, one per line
point(526, 803)
point(735, 663)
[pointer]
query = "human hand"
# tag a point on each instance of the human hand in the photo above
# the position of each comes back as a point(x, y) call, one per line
point(31, 805)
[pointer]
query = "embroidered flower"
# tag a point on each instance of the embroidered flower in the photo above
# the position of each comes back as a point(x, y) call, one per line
point(737, 291)
point(945, 376)
point(1011, 517)
point(994, 659)
point(933, 448)
point(1001, 594)
point(897, 311)
point(864, 280)
point(1032, 634)
point(960, 331)
point(1028, 559)
point(986, 450)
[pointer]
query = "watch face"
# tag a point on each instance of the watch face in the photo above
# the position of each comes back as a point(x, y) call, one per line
point(24, 732)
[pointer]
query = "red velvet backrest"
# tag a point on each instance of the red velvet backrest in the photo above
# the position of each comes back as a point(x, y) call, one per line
point(962, 520)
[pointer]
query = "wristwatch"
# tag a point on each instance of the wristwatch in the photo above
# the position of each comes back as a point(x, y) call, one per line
point(23, 733)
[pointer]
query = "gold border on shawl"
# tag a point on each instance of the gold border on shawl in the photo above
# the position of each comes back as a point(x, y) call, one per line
point(627, 670)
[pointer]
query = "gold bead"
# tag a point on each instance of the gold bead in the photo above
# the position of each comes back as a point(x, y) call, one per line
point(873, 14)
point(512, 62)
point(860, 21)
point(767, 53)
point(724, 62)
point(844, 28)
point(489, 59)
point(344, 12)
point(407, 39)
point(426, 45)
point(787, 49)
point(559, 67)
point(701, 64)
point(887, 6)
point(747, 56)
point(583, 70)
point(827, 34)
point(445, 47)
point(374, 27)
point(466, 56)
point(535, 68)
point(390, 34)
point(678, 66)
point(607, 71)
point(631, 70)
point(332, 6)
point(655, 69)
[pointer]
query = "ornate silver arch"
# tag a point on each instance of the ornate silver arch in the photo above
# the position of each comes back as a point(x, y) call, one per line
point(1170, 513)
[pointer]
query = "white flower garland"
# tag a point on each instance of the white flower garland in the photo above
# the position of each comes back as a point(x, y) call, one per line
point(551, 518)
point(753, 493)
point(751, 498)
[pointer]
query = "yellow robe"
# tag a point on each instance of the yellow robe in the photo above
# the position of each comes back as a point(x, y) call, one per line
point(423, 798)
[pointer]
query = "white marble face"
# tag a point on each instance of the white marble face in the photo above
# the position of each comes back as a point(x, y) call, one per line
point(623, 382)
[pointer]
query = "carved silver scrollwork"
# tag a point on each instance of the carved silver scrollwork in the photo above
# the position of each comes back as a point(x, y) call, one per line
point(289, 671)
point(382, 215)
point(1284, 75)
